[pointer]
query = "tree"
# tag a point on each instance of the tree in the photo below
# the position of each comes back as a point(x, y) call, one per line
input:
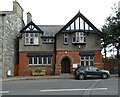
point(111, 32)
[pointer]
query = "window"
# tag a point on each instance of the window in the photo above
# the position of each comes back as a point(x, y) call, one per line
point(39, 60)
point(31, 39)
point(48, 40)
point(87, 60)
point(79, 37)
point(65, 38)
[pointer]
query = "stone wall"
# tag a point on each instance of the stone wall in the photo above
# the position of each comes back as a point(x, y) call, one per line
point(11, 25)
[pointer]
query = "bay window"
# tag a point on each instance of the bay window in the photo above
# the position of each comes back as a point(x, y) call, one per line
point(79, 37)
point(31, 39)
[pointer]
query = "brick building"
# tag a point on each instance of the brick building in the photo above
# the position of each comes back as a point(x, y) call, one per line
point(59, 49)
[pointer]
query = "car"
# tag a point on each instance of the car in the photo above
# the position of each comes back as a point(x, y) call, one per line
point(83, 72)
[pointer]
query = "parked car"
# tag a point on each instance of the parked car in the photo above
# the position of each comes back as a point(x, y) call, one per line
point(85, 71)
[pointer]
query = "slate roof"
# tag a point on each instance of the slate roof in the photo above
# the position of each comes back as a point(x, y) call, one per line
point(50, 30)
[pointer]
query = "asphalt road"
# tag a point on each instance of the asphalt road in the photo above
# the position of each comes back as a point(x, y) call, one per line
point(61, 87)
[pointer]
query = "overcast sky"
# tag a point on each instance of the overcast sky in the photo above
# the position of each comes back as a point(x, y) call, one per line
point(59, 12)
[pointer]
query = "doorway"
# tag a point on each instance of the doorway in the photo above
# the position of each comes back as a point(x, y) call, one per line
point(65, 65)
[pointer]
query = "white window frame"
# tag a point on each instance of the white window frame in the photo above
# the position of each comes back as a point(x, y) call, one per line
point(31, 36)
point(38, 61)
point(80, 37)
point(86, 59)
point(65, 38)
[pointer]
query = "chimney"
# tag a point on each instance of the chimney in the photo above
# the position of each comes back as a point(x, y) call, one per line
point(18, 9)
point(29, 17)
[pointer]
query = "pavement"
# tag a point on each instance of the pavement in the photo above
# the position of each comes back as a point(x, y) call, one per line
point(62, 76)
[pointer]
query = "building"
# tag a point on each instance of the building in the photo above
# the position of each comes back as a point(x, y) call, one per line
point(59, 49)
point(11, 22)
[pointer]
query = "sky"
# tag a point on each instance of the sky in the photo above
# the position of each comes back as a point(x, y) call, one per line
point(60, 12)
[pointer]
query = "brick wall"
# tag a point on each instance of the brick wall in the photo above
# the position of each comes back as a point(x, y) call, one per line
point(111, 65)
point(75, 58)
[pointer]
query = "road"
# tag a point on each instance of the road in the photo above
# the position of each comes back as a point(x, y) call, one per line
point(61, 87)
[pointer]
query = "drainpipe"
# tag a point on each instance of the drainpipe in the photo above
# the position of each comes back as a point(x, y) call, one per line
point(55, 45)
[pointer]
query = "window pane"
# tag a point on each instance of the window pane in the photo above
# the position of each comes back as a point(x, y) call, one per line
point(44, 60)
point(36, 34)
point(36, 40)
point(49, 60)
point(82, 63)
point(87, 63)
point(26, 40)
point(66, 40)
point(91, 57)
point(31, 41)
point(35, 60)
point(31, 34)
point(30, 60)
point(82, 57)
point(26, 34)
point(87, 57)
point(40, 60)
point(91, 63)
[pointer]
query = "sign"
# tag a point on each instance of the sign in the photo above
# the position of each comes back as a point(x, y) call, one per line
point(74, 65)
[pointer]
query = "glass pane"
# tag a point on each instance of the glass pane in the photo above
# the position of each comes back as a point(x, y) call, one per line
point(26, 34)
point(91, 57)
point(65, 39)
point(26, 40)
point(82, 57)
point(30, 60)
point(36, 34)
point(91, 63)
point(44, 60)
point(82, 63)
point(31, 34)
point(87, 63)
point(40, 60)
point(36, 40)
point(49, 60)
point(35, 60)
point(31, 41)
point(87, 57)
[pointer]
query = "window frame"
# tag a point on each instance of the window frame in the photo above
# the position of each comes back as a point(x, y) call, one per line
point(84, 59)
point(31, 39)
point(79, 37)
point(38, 61)
point(65, 38)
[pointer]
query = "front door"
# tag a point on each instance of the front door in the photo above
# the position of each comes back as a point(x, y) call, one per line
point(65, 65)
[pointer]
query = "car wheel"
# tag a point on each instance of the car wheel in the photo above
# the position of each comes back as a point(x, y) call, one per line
point(104, 76)
point(81, 77)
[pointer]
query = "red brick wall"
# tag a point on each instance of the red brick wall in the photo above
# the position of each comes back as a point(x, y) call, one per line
point(24, 69)
point(74, 55)
point(16, 68)
point(23, 64)
point(111, 65)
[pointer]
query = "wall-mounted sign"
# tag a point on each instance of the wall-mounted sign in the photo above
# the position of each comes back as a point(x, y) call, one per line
point(74, 65)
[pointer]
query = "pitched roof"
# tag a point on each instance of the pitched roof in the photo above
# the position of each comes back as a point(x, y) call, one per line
point(78, 17)
point(31, 27)
point(50, 30)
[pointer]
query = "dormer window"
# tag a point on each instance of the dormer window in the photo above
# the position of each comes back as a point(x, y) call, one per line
point(31, 39)
point(65, 38)
point(79, 37)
